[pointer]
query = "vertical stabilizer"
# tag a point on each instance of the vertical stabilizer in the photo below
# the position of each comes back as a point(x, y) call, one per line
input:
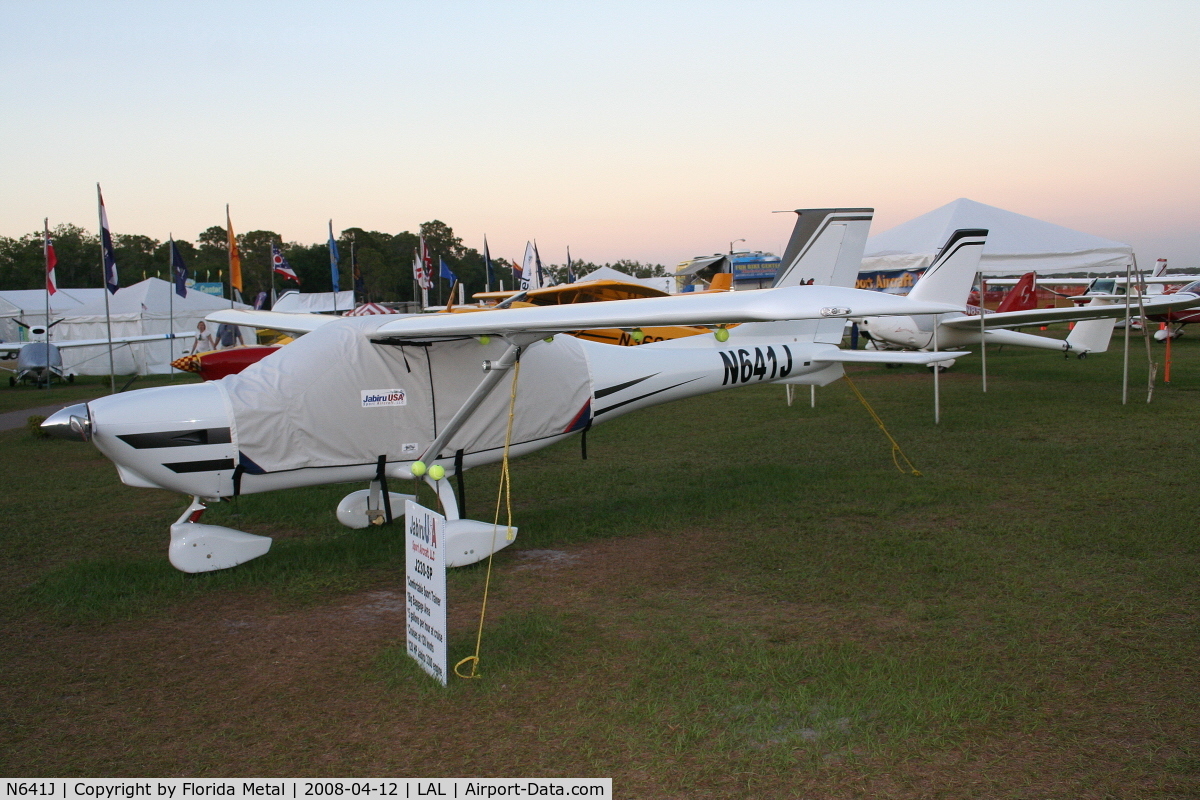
point(826, 247)
point(949, 277)
point(1022, 297)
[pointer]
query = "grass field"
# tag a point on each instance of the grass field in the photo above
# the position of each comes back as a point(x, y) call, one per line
point(729, 598)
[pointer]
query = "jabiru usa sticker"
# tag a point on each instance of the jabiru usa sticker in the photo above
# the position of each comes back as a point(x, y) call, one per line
point(377, 398)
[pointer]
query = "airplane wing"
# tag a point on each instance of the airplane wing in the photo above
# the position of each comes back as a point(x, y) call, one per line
point(1160, 304)
point(763, 305)
point(275, 320)
point(12, 347)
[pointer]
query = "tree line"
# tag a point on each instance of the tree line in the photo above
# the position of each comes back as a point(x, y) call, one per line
point(384, 261)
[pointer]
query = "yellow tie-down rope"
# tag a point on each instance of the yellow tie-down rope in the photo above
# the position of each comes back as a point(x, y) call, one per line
point(505, 494)
point(897, 453)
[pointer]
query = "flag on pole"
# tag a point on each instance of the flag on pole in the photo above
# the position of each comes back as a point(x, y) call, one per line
point(489, 270)
point(570, 268)
point(108, 255)
point(333, 260)
point(444, 271)
point(541, 274)
point(529, 276)
point(427, 264)
point(179, 270)
point(279, 264)
point(51, 261)
point(360, 286)
point(518, 276)
point(260, 301)
point(425, 267)
point(235, 258)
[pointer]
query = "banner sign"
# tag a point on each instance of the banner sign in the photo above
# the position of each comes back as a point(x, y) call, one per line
point(758, 266)
point(892, 281)
point(425, 581)
point(215, 289)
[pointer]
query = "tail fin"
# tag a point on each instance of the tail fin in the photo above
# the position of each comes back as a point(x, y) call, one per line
point(949, 277)
point(721, 282)
point(1023, 296)
point(826, 247)
point(1091, 335)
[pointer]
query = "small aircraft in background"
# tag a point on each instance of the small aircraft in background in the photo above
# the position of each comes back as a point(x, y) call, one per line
point(384, 398)
point(1174, 321)
point(951, 275)
point(1113, 290)
point(40, 361)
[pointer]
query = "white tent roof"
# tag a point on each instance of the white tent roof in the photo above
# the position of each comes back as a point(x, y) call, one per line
point(293, 302)
point(1016, 244)
point(33, 301)
point(151, 299)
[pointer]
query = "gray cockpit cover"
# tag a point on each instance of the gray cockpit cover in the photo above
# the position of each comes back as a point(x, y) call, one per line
point(314, 403)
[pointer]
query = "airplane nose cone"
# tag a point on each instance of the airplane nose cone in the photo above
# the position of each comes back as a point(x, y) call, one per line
point(72, 422)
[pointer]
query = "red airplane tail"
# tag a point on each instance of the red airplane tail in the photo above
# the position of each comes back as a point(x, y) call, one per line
point(1023, 296)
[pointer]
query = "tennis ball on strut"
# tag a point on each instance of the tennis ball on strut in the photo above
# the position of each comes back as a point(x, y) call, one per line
point(722, 334)
point(417, 469)
point(437, 472)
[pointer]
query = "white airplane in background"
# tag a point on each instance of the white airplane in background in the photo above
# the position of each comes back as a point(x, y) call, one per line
point(948, 280)
point(374, 399)
point(39, 360)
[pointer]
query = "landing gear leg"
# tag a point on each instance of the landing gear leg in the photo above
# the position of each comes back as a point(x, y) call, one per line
point(467, 540)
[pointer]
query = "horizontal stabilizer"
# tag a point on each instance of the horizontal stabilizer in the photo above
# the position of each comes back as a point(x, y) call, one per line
point(887, 356)
point(12, 347)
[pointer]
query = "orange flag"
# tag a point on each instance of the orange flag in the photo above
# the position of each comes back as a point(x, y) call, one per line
point(235, 258)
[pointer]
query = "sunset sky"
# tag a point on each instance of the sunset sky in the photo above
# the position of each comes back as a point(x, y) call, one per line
point(646, 130)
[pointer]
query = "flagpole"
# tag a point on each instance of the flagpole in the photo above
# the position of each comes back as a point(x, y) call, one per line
point(112, 370)
point(333, 267)
point(229, 251)
point(352, 271)
point(171, 304)
point(46, 223)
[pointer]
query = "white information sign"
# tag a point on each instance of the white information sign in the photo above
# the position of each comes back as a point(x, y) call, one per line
point(425, 587)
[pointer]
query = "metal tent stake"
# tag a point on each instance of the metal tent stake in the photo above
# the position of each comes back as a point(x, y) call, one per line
point(937, 390)
point(982, 330)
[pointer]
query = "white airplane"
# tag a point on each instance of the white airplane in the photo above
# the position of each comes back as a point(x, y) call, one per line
point(40, 360)
point(949, 279)
point(375, 399)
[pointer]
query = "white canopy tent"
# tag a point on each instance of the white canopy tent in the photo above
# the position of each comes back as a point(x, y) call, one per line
point(1016, 244)
point(135, 310)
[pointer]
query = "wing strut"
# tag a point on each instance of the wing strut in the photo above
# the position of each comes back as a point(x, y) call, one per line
point(493, 372)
